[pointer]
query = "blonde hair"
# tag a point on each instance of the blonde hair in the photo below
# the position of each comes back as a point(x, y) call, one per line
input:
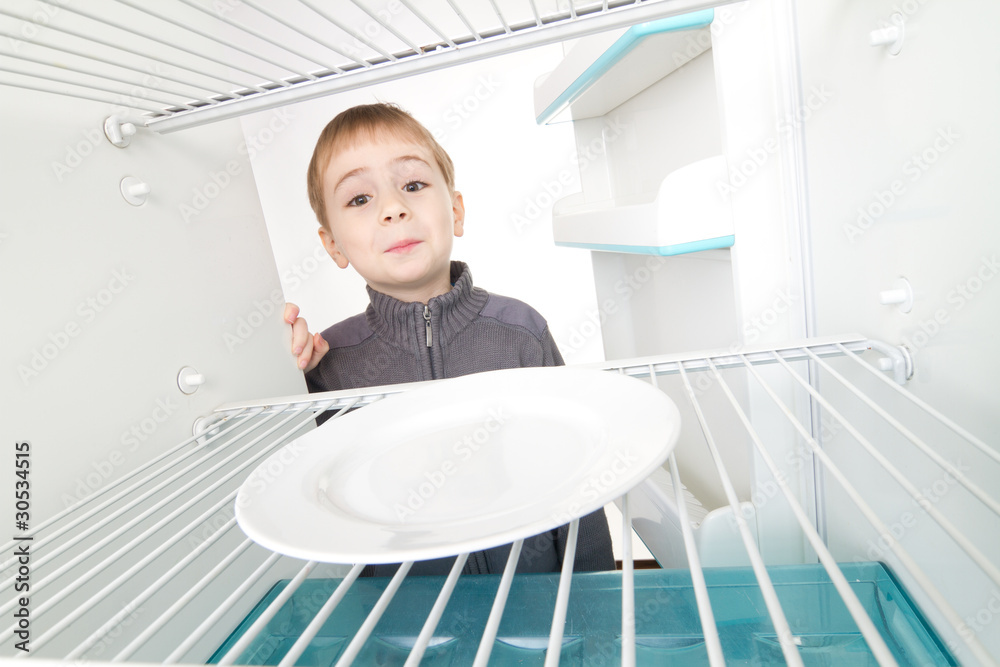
point(367, 121)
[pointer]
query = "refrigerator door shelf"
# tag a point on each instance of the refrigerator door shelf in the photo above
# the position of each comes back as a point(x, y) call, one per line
point(604, 70)
point(688, 214)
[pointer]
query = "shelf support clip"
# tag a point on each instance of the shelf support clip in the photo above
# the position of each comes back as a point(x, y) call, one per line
point(897, 359)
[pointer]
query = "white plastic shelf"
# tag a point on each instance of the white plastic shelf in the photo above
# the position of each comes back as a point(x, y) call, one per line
point(687, 214)
point(602, 71)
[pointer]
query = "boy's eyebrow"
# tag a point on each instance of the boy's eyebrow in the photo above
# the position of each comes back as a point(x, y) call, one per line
point(351, 174)
point(411, 158)
point(361, 170)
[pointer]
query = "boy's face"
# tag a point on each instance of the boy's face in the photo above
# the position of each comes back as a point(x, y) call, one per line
point(392, 216)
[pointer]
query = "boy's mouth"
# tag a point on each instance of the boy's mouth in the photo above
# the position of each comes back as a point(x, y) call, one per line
point(403, 246)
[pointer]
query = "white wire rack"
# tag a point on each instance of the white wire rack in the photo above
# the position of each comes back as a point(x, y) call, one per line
point(154, 568)
point(188, 62)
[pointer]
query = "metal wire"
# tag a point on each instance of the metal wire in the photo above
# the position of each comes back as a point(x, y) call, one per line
point(918, 574)
point(245, 50)
point(92, 37)
point(496, 611)
point(983, 448)
point(245, 640)
point(302, 643)
point(710, 631)
point(875, 642)
point(78, 70)
point(206, 625)
point(961, 539)
point(784, 633)
point(362, 634)
point(248, 89)
point(91, 507)
point(959, 477)
point(359, 35)
point(413, 47)
point(562, 597)
point(465, 20)
point(183, 601)
point(628, 588)
point(427, 631)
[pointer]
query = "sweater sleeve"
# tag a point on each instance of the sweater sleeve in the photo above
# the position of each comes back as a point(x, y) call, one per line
point(550, 352)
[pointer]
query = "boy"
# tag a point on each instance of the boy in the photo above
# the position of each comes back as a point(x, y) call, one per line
point(383, 191)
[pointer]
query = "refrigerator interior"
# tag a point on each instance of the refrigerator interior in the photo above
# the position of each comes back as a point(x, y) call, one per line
point(850, 170)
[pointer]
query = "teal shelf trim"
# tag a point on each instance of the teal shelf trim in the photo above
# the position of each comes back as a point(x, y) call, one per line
point(663, 251)
point(632, 37)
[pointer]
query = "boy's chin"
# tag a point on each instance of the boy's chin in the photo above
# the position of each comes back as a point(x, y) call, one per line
point(417, 272)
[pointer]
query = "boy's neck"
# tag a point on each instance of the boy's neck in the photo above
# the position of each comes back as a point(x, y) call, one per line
point(421, 294)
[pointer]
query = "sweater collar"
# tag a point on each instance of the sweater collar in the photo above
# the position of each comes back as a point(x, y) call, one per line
point(403, 324)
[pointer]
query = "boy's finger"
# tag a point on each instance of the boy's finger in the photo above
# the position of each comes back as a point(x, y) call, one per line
point(319, 348)
point(320, 345)
point(306, 355)
point(300, 336)
point(291, 312)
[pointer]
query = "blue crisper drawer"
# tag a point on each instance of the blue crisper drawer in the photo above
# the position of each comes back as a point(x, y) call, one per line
point(667, 625)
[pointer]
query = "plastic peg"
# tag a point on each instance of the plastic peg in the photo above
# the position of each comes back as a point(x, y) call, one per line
point(884, 36)
point(119, 131)
point(890, 36)
point(891, 296)
point(885, 364)
point(138, 189)
point(901, 294)
point(188, 380)
point(134, 191)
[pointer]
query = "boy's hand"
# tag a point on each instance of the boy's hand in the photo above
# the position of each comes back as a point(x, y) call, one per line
point(309, 348)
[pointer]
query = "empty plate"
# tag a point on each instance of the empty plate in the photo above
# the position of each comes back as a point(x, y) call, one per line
point(459, 465)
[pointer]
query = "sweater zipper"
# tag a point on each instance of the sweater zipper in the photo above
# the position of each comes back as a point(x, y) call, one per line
point(427, 323)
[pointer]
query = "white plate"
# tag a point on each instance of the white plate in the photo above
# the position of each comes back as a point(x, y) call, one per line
point(459, 465)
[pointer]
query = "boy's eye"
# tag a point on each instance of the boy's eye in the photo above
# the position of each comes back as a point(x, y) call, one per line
point(359, 200)
point(414, 186)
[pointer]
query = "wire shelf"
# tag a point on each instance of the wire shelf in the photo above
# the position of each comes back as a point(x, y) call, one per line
point(154, 568)
point(186, 63)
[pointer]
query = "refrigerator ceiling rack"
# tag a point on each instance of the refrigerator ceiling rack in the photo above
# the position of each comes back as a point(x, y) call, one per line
point(189, 62)
point(142, 559)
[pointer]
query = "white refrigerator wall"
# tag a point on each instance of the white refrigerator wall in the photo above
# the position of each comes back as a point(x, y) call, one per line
point(902, 174)
point(104, 302)
point(851, 168)
point(902, 171)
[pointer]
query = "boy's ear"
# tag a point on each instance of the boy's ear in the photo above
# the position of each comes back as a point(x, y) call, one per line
point(458, 211)
point(331, 248)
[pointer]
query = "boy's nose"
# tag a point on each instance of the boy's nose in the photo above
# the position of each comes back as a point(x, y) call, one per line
point(393, 210)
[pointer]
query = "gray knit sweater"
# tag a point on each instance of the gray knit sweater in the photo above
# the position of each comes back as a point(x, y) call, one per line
point(466, 330)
